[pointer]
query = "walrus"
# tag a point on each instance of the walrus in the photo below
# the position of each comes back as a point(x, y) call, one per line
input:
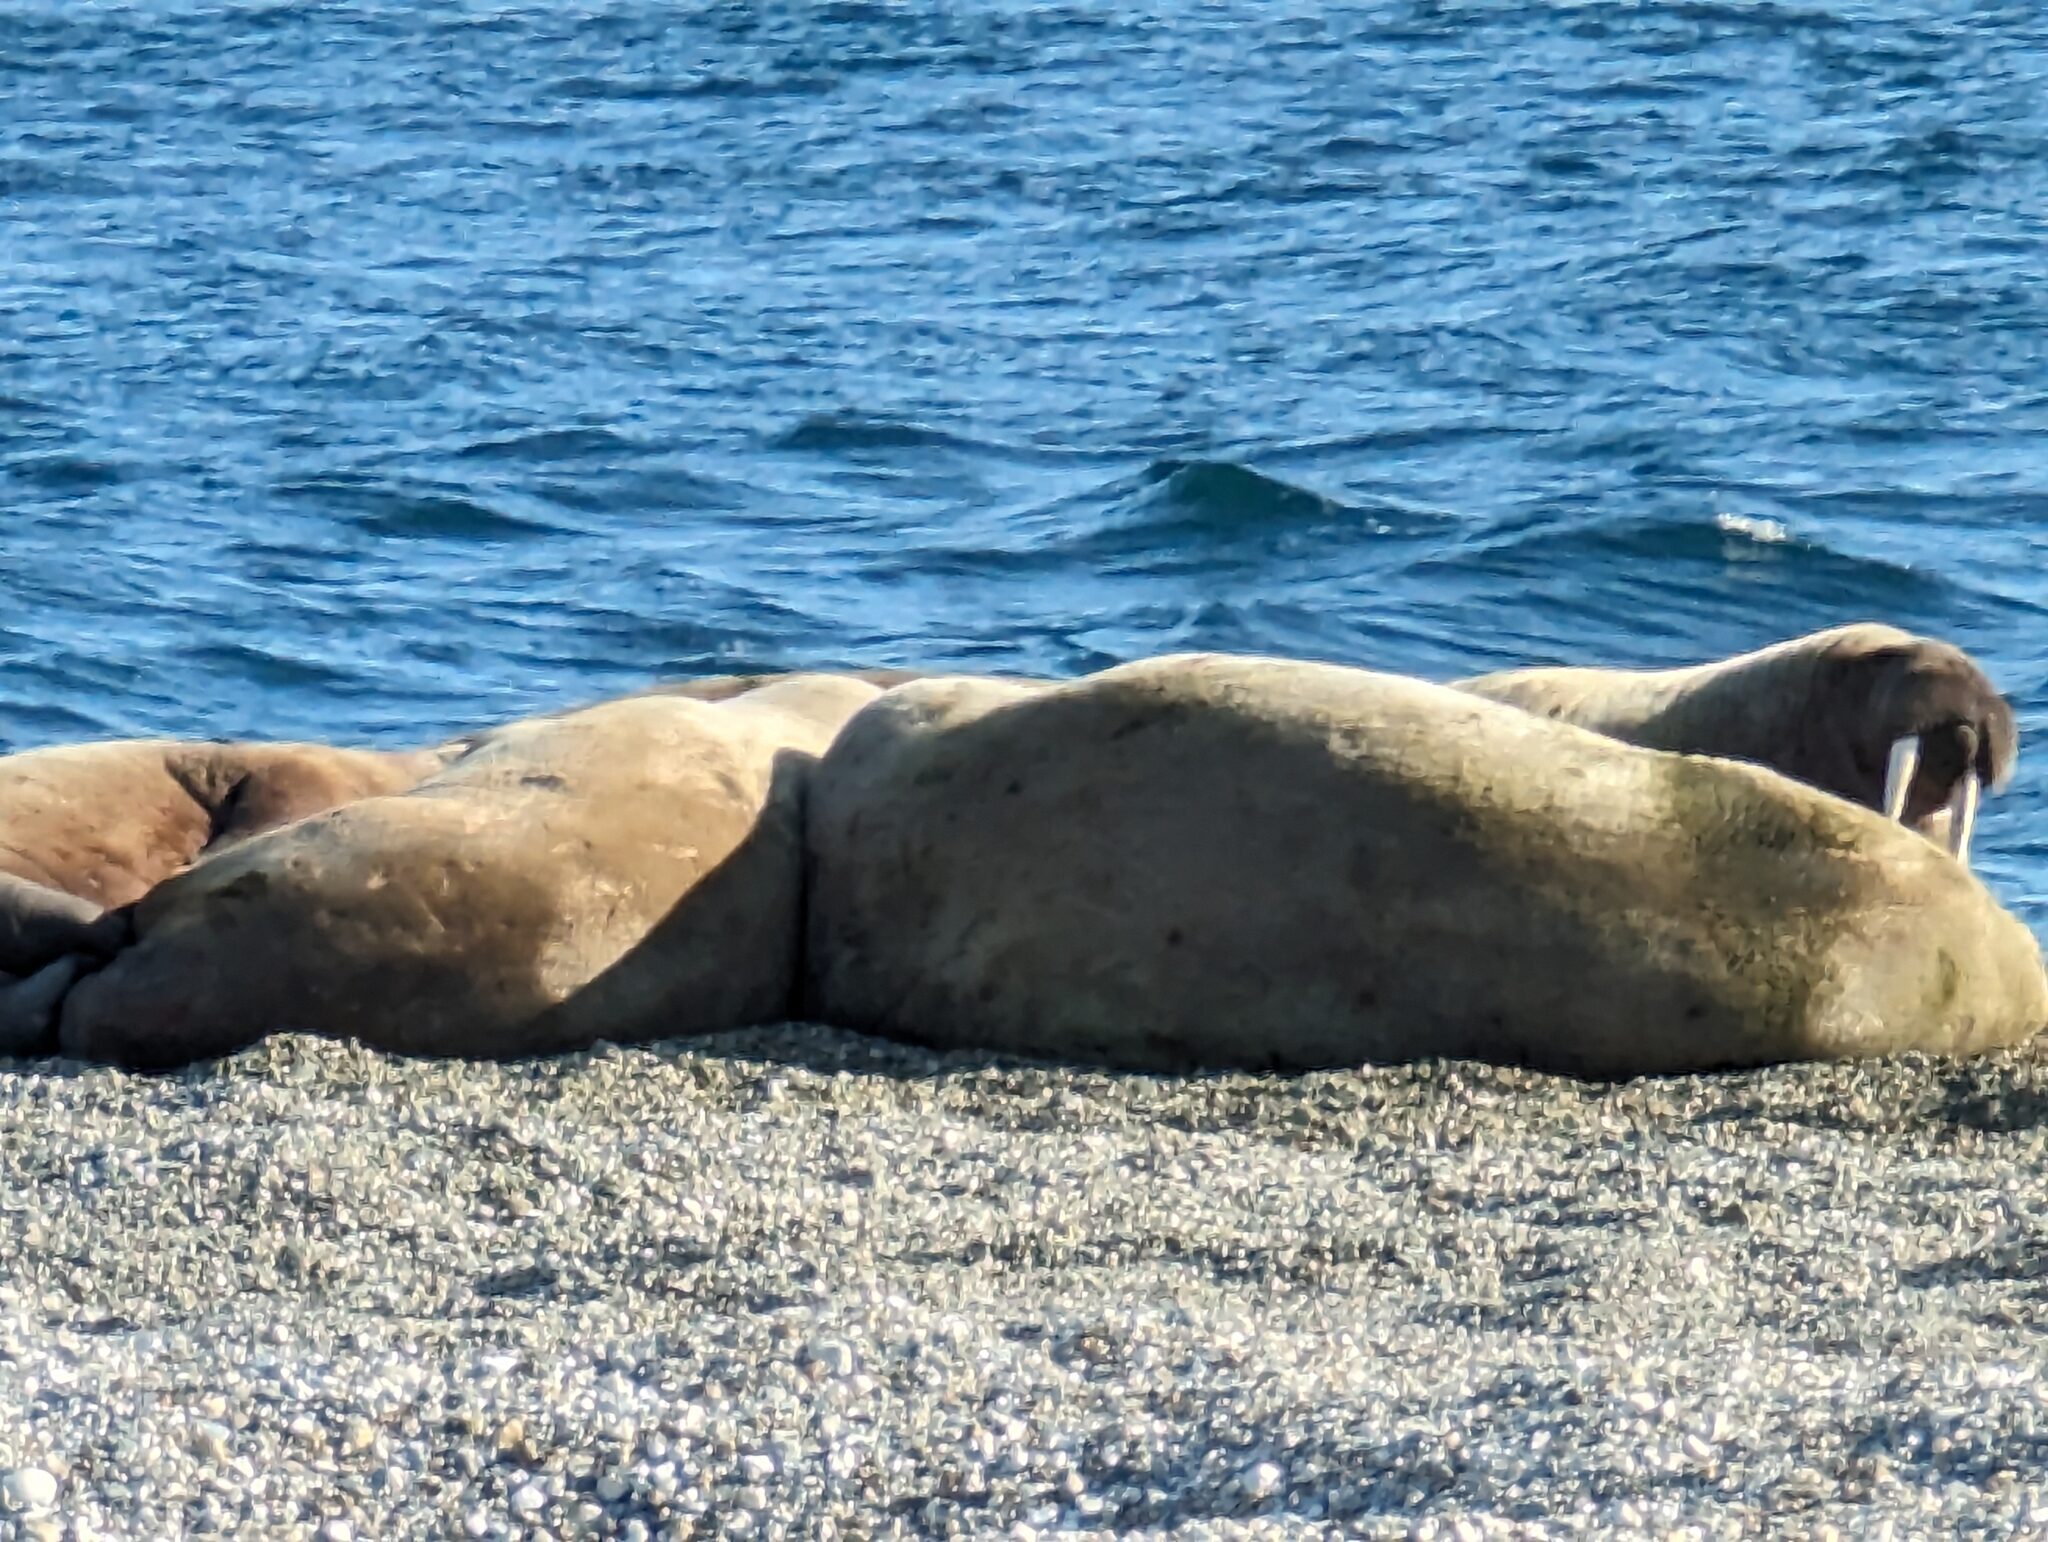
point(1216, 861)
point(628, 871)
point(106, 822)
point(1814, 707)
point(89, 827)
point(1906, 725)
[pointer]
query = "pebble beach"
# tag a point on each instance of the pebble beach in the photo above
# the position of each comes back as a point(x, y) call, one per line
point(371, 373)
point(796, 1283)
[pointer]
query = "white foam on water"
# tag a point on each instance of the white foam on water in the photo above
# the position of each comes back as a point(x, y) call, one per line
point(1769, 532)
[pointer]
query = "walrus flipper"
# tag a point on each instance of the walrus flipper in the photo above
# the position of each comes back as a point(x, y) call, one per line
point(28, 1008)
point(39, 924)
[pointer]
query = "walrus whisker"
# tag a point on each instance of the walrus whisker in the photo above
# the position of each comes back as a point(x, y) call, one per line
point(1898, 776)
point(1962, 816)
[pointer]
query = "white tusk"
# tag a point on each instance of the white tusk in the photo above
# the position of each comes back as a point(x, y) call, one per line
point(1898, 776)
point(1962, 817)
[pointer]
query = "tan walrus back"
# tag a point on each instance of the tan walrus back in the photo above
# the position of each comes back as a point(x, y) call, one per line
point(108, 821)
point(1227, 861)
point(629, 871)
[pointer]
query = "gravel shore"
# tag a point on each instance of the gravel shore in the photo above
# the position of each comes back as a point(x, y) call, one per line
point(797, 1284)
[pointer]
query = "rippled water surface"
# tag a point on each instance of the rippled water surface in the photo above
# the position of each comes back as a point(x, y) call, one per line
point(371, 371)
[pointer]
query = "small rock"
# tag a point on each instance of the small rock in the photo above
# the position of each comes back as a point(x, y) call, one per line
point(830, 1357)
point(28, 1488)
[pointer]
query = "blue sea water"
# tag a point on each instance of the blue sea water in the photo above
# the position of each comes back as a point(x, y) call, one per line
point(374, 370)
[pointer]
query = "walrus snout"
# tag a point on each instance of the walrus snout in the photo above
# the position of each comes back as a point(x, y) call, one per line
point(1946, 733)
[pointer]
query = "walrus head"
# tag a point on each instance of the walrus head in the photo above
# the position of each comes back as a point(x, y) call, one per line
point(1926, 731)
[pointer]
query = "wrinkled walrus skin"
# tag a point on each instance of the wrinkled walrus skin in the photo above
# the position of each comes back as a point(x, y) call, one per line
point(104, 823)
point(88, 827)
point(1214, 861)
point(630, 871)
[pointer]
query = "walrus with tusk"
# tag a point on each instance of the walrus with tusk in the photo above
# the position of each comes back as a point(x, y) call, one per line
point(1875, 716)
point(1210, 861)
point(1902, 724)
point(1907, 725)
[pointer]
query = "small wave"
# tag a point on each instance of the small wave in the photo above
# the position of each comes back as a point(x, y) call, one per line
point(1762, 16)
point(1688, 587)
point(654, 490)
point(1352, 145)
point(1658, 543)
point(550, 445)
point(266, 666)
point(1303, 628)
point(43, 177)
point(1209, 509)
point(33, 724)
point(66, 473)
point(1940, 154)
point(1566, 163)
point(62, 689)
point(1173, 516)
point(650, 87)
point(687, 624)
point(1807, 564)
point(425, 514)
point(1444, 434)
point(838, 432)
point(1224, 492)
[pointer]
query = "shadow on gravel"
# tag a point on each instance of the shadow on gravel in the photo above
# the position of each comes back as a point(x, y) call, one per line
point(1911, 1095)
point(2022, 1261)
point(1962, 1454)
point(1993, 1104)
point(1445, 1104)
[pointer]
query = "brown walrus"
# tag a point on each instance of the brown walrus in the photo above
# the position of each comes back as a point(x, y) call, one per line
point(85, 828)
point(1907, 725)
point(107, 822)
point(630, 871)
point(1898, 723)
point(1205, 861)
point(1822, 708)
